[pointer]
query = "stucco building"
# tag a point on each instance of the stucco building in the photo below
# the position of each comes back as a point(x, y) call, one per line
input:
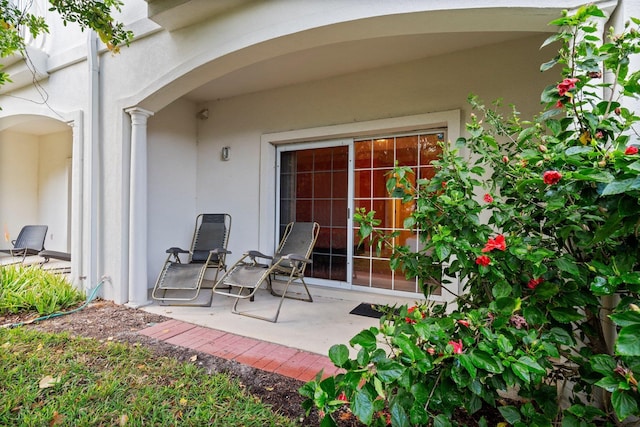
point(270, 111)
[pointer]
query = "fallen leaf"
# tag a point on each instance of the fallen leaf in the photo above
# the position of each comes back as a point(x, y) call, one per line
point(56, 419)
point(345, 416)
point(123, 420)
point(194, 358)
point(110, 339)
point(49, 381)
point(269, 388)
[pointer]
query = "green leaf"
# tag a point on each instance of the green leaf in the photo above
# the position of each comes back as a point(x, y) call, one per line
point(602, 363)
point(628, 342)
point(568, 265)
point(442, 251)
point(565, 314)
point(485, 361)
point(521, 372)
point(560, 336)
point(608, 383)
point(362, 406)
point(501, 289)
point(621, 186)
point(399, 416)
point(466, 362)
point(526, 134)
point(600, 286)
point(532, 365)
point(339, 354)
point(389, 371)
point(577, 149)
point(364, 338)
point(623, 404)
point(549, 64)
point(408, 347)
point(626, 318)
point(510, 414)
point(327, 421)
point(504, 344)
point(441, 421)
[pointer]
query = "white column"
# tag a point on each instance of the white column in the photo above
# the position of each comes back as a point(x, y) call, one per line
point(138, 209)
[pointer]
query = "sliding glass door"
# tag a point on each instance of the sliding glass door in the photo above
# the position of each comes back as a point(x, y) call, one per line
point(314, 186)
point(325, 182)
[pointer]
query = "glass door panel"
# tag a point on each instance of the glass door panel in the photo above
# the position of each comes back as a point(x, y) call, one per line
point(374, 159)
point(314, 187)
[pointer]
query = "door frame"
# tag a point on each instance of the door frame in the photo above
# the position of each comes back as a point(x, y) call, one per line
point(269, 143)
point(348, 142)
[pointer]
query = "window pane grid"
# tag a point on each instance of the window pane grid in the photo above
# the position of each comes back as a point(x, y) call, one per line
point(374, 159)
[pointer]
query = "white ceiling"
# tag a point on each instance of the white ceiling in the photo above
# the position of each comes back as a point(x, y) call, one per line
point(343, 58)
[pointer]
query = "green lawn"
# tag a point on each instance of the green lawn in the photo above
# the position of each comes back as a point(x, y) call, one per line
point(58, 380)
point(55, 379)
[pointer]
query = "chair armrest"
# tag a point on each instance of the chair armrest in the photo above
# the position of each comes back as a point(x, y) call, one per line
point(176, 251)
point(297, 257)
point(257, 254)
point(219, 251)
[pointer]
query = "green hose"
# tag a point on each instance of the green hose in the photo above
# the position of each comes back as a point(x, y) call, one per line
point(59, 313)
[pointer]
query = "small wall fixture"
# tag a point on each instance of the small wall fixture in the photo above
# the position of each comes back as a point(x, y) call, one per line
point(203, 114)
point(226, 153)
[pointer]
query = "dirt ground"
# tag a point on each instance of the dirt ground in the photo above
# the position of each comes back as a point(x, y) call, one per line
point(104, 320)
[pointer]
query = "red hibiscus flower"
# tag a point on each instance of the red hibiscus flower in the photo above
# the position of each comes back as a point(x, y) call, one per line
point(497, 243)
point(483, 260)
point(533, 283)
point(566, 85)
point(551, 177)
point(409, 319)
point(342, 396)
point(559, 104)
point(632, 149)
point(488, 198)
point(457, 346)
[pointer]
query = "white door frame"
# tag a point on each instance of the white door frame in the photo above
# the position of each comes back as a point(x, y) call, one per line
point(269, 172)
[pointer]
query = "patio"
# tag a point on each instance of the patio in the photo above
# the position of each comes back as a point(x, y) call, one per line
point(312, 327)
point(296, 346)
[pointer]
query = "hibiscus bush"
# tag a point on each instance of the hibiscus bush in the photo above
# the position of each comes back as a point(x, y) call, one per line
point(538, 221)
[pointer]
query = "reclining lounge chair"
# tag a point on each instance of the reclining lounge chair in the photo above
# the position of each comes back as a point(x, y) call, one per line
point(288, 263)
point(180, 282)
point(64, 259)
point(30, 241)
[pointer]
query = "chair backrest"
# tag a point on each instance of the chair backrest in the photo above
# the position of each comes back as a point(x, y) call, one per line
point(298, 238)
point(212, 232)
point(31, 237)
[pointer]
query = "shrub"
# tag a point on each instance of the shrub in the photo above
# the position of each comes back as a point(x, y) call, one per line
point(25, 289)
point(540, 223)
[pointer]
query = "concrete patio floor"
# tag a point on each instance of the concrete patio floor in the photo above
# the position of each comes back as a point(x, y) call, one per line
point(309, 326)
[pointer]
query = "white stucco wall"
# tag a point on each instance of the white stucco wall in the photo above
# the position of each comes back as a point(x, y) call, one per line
point(172, 182)
point(429, 85)
point(54, 175)
point(184, 153)
point(18, 183)
point(34, 184)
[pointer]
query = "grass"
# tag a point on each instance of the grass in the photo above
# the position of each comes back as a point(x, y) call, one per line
point(54, 379)
point(31, 289)
point(59, 380)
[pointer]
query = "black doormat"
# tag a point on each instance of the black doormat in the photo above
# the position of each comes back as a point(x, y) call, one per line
point(367, 309)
